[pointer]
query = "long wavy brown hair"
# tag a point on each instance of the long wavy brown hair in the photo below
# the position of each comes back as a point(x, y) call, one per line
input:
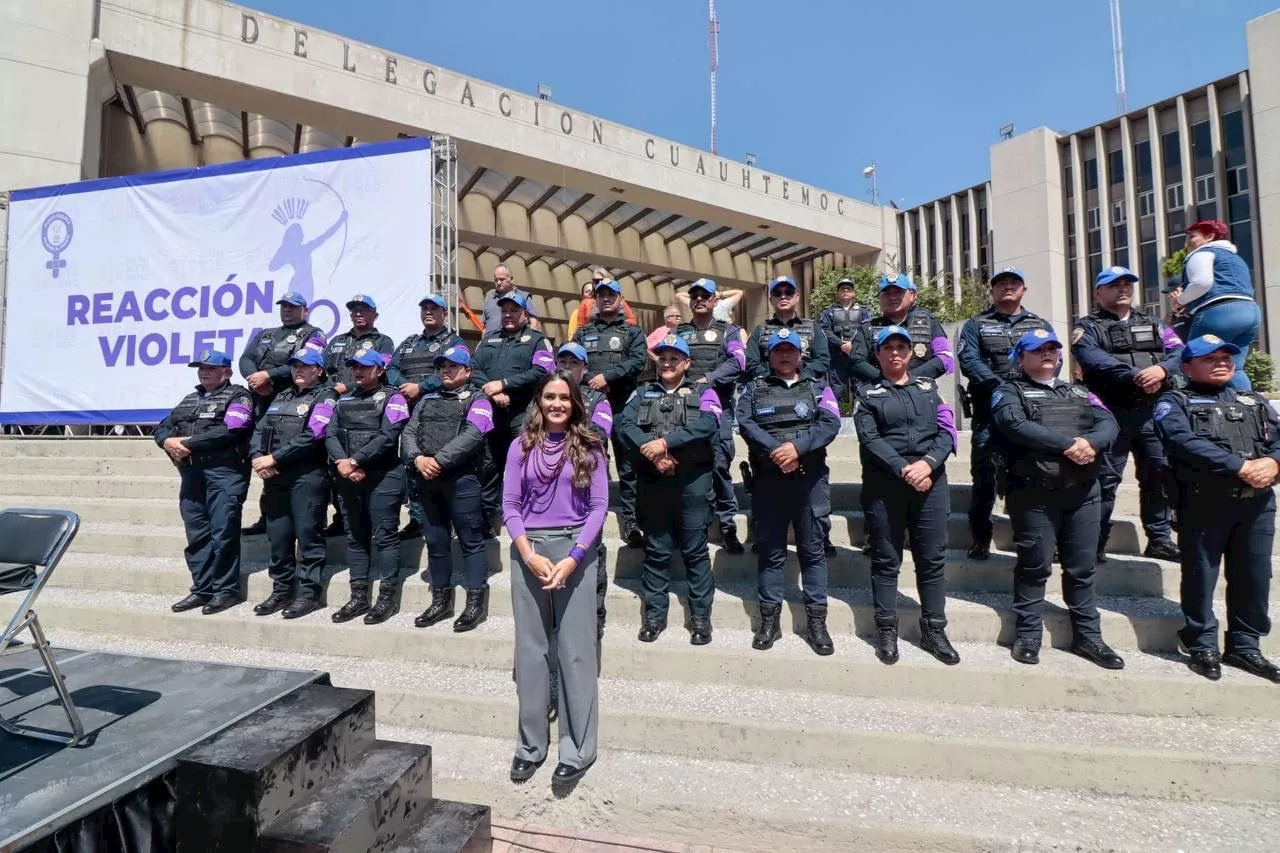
point(581, 441)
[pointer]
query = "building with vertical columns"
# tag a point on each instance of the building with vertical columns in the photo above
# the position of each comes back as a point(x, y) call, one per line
point(1062, 206)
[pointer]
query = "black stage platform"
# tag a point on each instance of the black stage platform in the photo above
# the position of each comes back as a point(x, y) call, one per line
point(139, 715)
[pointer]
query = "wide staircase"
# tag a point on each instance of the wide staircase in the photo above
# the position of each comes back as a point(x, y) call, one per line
point(723, 745)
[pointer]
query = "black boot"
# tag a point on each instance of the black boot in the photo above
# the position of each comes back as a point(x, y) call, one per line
point(887, 639)
point(388, 604)
point(357, 606)
point(933, 639)
point(476, 611)
point(277, 602)
point(815, 633)
point(441, 608)
point(770, 631)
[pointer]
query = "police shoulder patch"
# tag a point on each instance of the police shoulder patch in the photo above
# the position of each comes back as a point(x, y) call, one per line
point(1163, 408)
point(996, 398)
point(1076, 334)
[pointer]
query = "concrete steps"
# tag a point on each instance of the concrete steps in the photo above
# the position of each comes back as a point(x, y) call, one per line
point(817, 772)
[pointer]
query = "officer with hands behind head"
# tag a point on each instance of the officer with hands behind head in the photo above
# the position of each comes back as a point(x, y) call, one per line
point(1053, 434)
point(788, 420)
point(905, 434)
point(1225, 448)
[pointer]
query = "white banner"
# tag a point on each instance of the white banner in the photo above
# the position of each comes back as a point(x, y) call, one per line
point(115, 285)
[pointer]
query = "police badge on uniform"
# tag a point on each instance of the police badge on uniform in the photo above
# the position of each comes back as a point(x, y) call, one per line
point(380, 396)
point(524, 339)
point(435, 346)
point(802, 409)
point(302, 408)
point(292, 339)
point(685, 391)
point(1078, 391)
point(366, 344)
point(919, 350)
point(710, 335)
point(615, 343)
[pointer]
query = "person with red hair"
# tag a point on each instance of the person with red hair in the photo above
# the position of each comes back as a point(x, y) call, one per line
point(1217, 292)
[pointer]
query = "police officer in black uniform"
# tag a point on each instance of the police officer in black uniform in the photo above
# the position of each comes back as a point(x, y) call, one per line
point(615, 359)
point(207, 436)
point(931, 355)
point(507, 364)
point(288, 454)
point(363, 443)
point(572, 359)
point(668, 427)
point(905, 434)
point(445, 450)
point(415, 360)
point(787, 421)
point(1126, 357)
point(983, 351)
point(719, 357)
point(785, 298)
point(1225, 448)
point(363, 336)
point(1052, 435)
point(264, 364)
point(843, 323)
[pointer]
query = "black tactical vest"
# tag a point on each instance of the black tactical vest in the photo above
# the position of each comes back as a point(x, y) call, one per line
point(1135, 341)
point(1233, 421)
point(997, 338)
point(345, 346)
point(287, 417)
point(276, 346)
point(1064, 409)
point(706, 346)
point(606, 345)
point(803, 329)
point(662, 411)
point(357, 416)
point(418, 362)
point(919, 324)
point(846, 321)
point(199, 413)
point(441, 416)
point(785, 413)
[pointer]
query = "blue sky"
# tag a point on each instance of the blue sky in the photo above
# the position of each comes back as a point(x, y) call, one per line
point(818, 89)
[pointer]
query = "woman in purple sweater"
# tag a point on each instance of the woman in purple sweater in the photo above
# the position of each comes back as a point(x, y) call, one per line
point(554, 498)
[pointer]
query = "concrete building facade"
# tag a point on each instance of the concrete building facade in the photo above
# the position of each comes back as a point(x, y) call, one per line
point(97, 88)
point(1062, 206)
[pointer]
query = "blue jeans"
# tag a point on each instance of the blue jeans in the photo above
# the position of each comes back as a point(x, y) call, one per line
point(1236, 322)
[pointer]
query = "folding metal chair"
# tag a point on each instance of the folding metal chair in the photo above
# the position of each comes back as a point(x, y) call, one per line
point(32, 541)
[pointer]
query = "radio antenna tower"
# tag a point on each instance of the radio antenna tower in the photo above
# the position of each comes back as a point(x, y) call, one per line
point(713, 45)
point(1117, 44)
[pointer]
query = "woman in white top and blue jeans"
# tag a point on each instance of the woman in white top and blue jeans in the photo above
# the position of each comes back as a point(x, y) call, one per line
point(1217, 292)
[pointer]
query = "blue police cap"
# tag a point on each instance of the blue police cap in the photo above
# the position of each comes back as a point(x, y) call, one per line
point(1206, 344)
point(674, 342)
point(367, 357)
point(1113, 274)
point(608, 284)
point(781, 280)
point(433, 299)
point(891, 332)
point(787, 337)
point(515, 296)
point(211, 358)
point(575, 350)
point(1008, 272)
point(707, 284)
point(895, 279)
point(458, 354)
point(1034, 340)
point(307, 356)
point(361, 300)
point(293, 297)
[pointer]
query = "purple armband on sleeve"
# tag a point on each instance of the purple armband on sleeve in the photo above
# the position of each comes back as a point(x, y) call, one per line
point(397, 409)
point(315, 343)
point(238, 416)
point(942, 349)
point(386, 359)
point(828, 402)
point(947, 420)
point(739, 353)
point(603, 417)
point(480, 416)
point(544, 360)
point(710, 402)
point(1170, 339)
point(1097, 401)
point(318, 423)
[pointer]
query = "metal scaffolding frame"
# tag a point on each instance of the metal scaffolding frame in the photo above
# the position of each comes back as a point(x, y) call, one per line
point(444, 225)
